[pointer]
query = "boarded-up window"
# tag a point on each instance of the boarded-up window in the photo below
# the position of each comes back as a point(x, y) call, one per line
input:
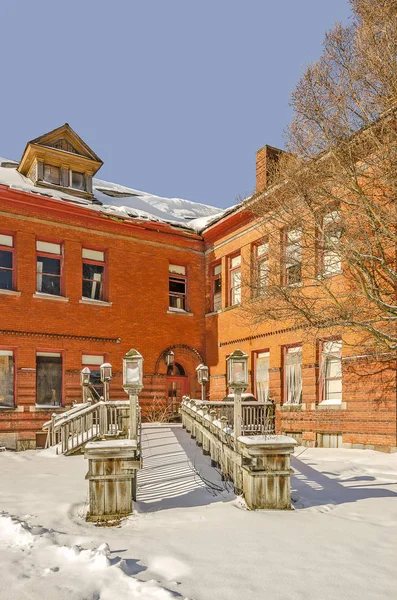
point(48, 379)
point(293, 375)
point(262, 376)
point(7, 378)
point(77, 180)
point(52, 174)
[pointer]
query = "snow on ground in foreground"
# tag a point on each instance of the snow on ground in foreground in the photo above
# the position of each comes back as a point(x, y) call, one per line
point(191, 538)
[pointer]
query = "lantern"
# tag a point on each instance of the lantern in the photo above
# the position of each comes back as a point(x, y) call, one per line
point(237, 370)
point(85, 375)
point(106, 372)
point(133, 371)
point(202, 374)
point(169, 358)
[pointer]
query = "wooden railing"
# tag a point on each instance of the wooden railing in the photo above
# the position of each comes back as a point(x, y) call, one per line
point(85, 422)
point(257, 417)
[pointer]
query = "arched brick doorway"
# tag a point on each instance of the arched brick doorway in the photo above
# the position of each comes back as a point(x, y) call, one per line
point(180, 379)
point(177, 386)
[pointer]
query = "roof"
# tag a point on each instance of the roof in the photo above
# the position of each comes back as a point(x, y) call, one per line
point(121, 201)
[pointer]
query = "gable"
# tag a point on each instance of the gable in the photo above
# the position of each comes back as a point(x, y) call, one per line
point(66, 139)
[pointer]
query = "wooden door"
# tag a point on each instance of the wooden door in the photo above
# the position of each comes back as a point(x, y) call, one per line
point(177, 387)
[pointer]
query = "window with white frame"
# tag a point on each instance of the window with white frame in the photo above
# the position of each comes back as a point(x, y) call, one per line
point(235, 280)
point(261, 258)
point(293, 257)
point(262, 364)
point(293, 375)
point(7, 378)
point(48, 378)
point(49, 268)
point(6, 262)
point(93, 362)
point(216, 287)
point(93, 274)
point(177, 285)
point(331, 372)
point(331, 234)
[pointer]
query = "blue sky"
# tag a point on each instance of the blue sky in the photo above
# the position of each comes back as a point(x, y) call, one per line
point(175, 96)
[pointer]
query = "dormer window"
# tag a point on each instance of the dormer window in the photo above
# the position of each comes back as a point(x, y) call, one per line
point(61, 159)
point(77, 180)
point(52, 174)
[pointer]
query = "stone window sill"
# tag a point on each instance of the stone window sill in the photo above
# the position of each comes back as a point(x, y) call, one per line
point(331, 406)
point(179, 312)
point(42, 296)
point(94, 302)
point(10, 292)
point(231, 307)
point(292, 407)
point(214, 312)
point(45, 407)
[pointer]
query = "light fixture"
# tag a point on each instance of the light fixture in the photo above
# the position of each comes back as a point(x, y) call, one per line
point(237, 370)
point(106, 372)
point(169, 358)
point(133, 371)
point(202, 374)
point(85, 375)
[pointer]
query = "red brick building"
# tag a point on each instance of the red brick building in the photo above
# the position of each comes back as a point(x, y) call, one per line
point(89, 269)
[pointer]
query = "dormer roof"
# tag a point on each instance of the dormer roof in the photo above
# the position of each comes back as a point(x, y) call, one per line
point(63, 139)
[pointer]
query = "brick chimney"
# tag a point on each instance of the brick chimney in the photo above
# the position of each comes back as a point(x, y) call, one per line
point(266, 159)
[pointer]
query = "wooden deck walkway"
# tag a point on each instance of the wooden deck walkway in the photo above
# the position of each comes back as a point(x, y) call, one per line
point(175, 472)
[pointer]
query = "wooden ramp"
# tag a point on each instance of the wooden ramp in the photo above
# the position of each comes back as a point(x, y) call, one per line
point(175, 472)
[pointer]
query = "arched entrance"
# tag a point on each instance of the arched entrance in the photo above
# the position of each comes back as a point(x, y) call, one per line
point(176, 387)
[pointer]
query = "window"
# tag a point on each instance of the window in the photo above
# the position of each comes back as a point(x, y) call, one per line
point(7, 378)
point(48, 268)
point(6, 262)
point(48, 378)
point(93, 274)
point(293, 257)
point(52, 174)
point(261, 268)
point(177, 287)
point(293, 375)
point(216, 287)
point(235, 280)
point(331, 234)
point(93, 362)
point(77, 180)
point(262, 364)
point(331, 372)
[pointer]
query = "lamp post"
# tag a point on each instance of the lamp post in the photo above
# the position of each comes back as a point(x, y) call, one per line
point(202, 377)
point(85, 375)
point(106, 376)
point(133, 384)
point(237, 380)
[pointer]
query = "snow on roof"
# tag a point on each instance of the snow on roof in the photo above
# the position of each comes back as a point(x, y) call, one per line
point(121, 201)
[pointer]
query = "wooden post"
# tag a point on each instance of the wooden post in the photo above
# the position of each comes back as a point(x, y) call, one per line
point(237, 413)
point(133, 417)
point(53, 417)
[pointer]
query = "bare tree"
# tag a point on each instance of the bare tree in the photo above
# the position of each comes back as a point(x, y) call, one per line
point(330, 213)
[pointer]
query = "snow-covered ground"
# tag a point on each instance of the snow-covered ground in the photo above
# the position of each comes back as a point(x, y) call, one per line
point(191, 538)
